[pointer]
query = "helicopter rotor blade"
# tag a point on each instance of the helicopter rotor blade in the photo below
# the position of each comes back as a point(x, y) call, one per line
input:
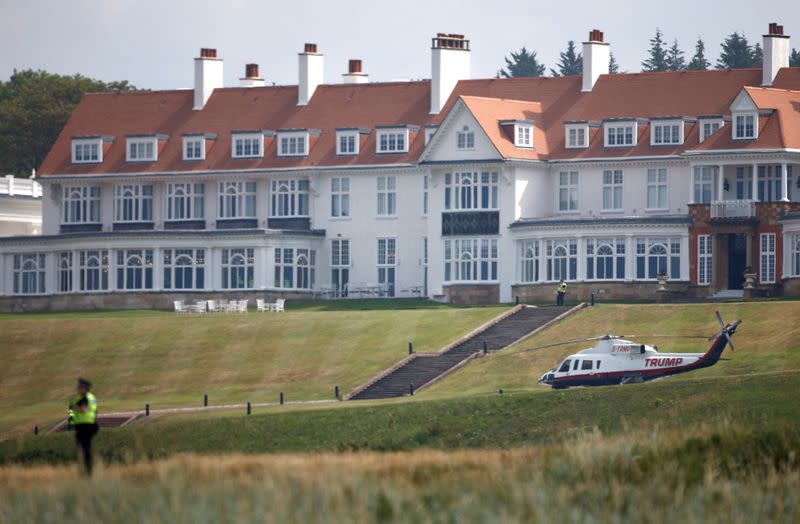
point(721, 322)
point(563, 343)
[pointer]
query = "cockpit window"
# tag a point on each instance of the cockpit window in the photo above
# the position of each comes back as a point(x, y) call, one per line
point(587, 364)
point(576, 365)
point(564, 367)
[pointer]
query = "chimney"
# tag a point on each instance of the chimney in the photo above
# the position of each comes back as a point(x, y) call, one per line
point(776, 53)
point(595, 59)
point(449, 64)
point(207, 76)
point(251, 78)
point(310, 77)
point(354, 74)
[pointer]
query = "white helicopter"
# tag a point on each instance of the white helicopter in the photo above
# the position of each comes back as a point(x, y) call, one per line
point(614, 360)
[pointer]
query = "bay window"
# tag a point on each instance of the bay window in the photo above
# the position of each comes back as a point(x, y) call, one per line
point(237, 200)
point(656, 256)
point(93, 270)
point(238, 267)
point(561, 256)
point(65, 271)
point(185, 201)
point(133, 203)
point(529, 263)
point(29, 274)
point(605, 259)
point(470, 190)
point(470, 260)
point(134, 269)
point(295, 268)
point(81, 204)
point(184, 268)
point(289, 198)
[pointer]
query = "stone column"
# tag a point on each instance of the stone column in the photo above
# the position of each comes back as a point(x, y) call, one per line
point(76, 270)
point(784, 183)
point(750, 252)
point(691, 183)
point(581, 269)
point(630, 258)
point(158, 269)
point(754, 167)
point(720, 182)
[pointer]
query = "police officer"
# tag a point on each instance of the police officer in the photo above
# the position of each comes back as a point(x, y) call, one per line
point(561, 290)
point(83, 420)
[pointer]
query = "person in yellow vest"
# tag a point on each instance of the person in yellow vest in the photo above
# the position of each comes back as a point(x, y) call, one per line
point(561, 291)
point(82, 415)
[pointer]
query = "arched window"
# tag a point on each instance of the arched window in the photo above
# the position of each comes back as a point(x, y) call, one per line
point(658, 255)
point(185, 201)
point(530, 261)
point(29, 274)
point(295, 268)
point(133, 203)
point(135, 269)
point(238, 266)
point(657, 260)
point(465, 139)
point(81, 204)
point(289, 198)
point(93, 269)
point(237, 200)
point(562, 259)
point(65, 271)
point(605, 262)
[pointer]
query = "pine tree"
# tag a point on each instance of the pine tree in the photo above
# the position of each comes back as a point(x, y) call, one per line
point(699, 61)
point(613, 66)
point(658, 54)
point(736, 53)
point(794, 58)
point(570, 62)
point(758, 55)
point(675, 58)
point(522, 63)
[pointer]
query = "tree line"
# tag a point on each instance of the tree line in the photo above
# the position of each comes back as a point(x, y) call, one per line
point(736, 52)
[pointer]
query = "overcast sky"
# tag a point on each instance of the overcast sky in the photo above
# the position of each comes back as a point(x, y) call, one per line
point(152, 43)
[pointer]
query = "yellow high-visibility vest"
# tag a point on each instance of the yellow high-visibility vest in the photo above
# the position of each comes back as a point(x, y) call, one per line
point(562, 287)
point(87, 417)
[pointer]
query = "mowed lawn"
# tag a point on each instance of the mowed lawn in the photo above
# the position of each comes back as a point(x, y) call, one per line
point(768, 340)
point(171, 360)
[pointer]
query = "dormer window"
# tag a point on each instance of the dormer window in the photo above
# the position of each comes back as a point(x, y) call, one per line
point(142, 149)
point(194, 148)
point(347, 142)
point(744, 126)
point(392, 140)
point(577, 136)
point(709, 126)
point(465, 139)
point(523, 135)
point(666, 132)
point(248, 145)
point(87, 150)
point(620, 134)
point(293, 143)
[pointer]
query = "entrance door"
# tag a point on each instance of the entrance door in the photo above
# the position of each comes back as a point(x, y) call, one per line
point(387, 262)
point(737, 261)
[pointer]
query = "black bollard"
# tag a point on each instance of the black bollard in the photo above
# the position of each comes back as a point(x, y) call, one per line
point(249, 408)
point(205, 400)
point(500, 391)
point(35, 430)
point(411, 389)
point(410, 348)
point(281, 398)
point(592, 297)
point(516, 300)
point(336, 391)
point(485, 347)
point(147, 410)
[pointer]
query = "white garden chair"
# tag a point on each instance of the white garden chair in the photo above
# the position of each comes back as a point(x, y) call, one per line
point(200, 307)
point(212, 306)
point(241, 306)
point(180, 307)
point(278, 306)
point(261, 305)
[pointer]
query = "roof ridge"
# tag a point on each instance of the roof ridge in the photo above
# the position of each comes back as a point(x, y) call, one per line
point(500, 99)
point(141, 92)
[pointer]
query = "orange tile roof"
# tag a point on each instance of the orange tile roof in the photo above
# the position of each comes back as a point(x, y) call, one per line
point(548, 101)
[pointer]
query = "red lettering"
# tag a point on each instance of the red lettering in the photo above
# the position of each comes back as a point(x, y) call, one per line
point(678, 361)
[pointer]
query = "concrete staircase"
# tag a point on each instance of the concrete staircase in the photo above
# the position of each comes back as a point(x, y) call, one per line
point(421, 369)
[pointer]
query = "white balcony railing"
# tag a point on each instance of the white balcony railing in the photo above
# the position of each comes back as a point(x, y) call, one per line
point(19, 186)
point(733, 209)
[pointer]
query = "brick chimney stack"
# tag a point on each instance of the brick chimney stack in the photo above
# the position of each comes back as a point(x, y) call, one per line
point(449, 64)
point(776, 50)
point(207, 76)
point(354, 74)
point(310, 73)
point(596, 54)
point(251, 78)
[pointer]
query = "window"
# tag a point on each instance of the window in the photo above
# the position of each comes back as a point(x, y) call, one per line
point(795, 254)
point(744, 126)
point(295, 268)
point(293, 145)
point(465, 139)
point(133, 203)
point(81, 204)
point(657, 188)
point(523, 135)
point(667, 133)
point(471, 190)
point(562, 259)
point(29, 274)
point(612, 190)
point(194, 148)
point(767, 258)
point(744, 182)
point(576, 136)
point(703, 185)
point(289, 198)
point(141, 149)
point(387, 264)
point(238, 266)
point(87, 151)
point(605, 259)
point(387, 196)
point(470, 259)
point(347, 143)
point(340, 197)
point(564, 366)
point(425, 195)
point(568, 191)
point(769, 183)
point(530, 261)
point(93, 270)
point(184, 268)
point(65, 271)
point(393, 141)
point(340, 266)
point(134, 269)
point(658, 255)
point(586, 365)
point(249, 145)
point(237, 200)
point(620, 135)
point(708, 128)
point(185, 201)
point(704, 260)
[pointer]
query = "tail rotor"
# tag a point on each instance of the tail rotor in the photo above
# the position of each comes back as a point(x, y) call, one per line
point(726, 330)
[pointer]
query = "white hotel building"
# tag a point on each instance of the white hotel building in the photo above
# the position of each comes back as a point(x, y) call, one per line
point(468, 190)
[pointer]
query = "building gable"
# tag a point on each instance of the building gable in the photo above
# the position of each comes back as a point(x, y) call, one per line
point(444, 144)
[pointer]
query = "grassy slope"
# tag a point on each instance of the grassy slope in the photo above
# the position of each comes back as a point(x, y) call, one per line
point(768, 340)
point(165, 359)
